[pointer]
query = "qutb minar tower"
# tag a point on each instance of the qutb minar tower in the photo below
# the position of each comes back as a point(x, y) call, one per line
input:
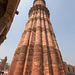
point(37, 52)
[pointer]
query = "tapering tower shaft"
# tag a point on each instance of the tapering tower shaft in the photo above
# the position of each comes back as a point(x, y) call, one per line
point(37, 52)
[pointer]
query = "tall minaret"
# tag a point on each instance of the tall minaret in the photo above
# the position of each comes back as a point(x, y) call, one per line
point(37, 52)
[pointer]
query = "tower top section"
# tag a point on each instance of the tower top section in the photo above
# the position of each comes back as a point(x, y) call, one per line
point(39, 5)
point(41, 2)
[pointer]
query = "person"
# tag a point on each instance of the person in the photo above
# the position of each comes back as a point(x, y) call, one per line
point(2, 73)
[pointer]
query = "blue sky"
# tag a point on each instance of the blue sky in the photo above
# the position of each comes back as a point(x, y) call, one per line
point(62, 17)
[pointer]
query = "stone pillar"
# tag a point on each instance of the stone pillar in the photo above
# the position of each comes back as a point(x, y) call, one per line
point(19, 53)
point(54, 63)
point(46, 63)
point(22, 56)
point(29, 57)
point(37, 56)
point(37, 52)
point(59, 57)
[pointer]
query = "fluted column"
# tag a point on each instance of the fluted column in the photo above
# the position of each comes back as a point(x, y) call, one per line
point(23, 35)
point(37, 56)
point(29, 57)
point(14, 61)
point(21, 57)
point(60, 61)
point(38, 52)
point(54, 62)
point(46, 63)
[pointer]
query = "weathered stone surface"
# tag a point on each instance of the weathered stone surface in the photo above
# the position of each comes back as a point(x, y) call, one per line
point(8, 9)
point(38, 52)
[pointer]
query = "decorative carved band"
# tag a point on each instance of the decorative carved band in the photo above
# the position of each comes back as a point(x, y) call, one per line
point(39, 7)
point(36, 18)
point(38, 48)
point(39, 28)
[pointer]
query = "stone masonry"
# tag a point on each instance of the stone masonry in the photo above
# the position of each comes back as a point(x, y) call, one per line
point(8, 8)
point(38, 52)
point(70, 69)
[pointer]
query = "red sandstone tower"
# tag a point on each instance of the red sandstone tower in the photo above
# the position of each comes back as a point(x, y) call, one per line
point(38, 52)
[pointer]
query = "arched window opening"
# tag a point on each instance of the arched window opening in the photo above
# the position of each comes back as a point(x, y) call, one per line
point(68, 69)
point(73, 69)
